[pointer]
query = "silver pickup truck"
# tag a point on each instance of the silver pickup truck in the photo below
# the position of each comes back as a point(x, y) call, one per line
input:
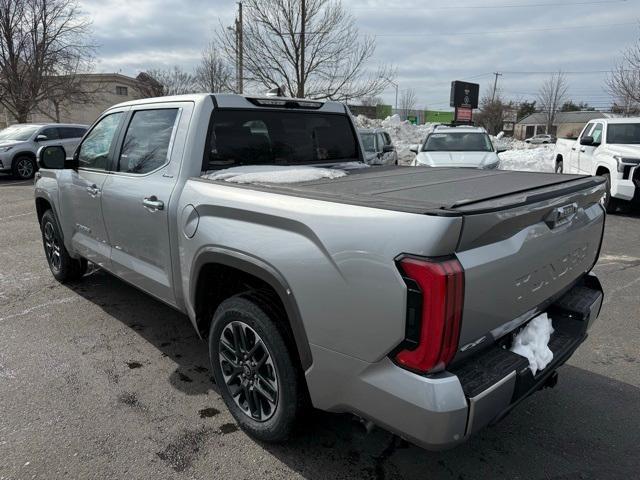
point(393, 293)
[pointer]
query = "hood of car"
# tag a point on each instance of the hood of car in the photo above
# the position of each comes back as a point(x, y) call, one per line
point(10, 143)
point(632, 151)
point(456, 159)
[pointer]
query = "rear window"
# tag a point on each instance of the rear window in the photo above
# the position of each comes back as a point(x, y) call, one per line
point(267, 137)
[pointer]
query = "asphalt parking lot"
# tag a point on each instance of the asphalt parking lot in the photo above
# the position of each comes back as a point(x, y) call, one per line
point(97, 380)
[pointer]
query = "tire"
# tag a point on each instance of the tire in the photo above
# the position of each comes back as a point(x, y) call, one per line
point(23, 167)
point(559, 166)
point(63, 267)
point(248, 319)
point(609, 203)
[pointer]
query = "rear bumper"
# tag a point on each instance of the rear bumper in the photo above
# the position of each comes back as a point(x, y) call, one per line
point(440, 411)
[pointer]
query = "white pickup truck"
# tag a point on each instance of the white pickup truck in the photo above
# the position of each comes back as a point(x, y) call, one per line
point(610, 148)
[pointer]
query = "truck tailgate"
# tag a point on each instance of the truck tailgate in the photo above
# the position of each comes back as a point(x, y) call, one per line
point(519, 259)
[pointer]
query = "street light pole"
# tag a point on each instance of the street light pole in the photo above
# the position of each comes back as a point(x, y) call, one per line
point(396, 87)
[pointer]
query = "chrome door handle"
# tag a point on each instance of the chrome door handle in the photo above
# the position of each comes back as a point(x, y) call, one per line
point(573, 148)
point(93, 190)
point(152, 203)
point(583, 150)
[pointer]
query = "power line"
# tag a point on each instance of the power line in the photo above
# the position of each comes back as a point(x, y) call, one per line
point(500, 32)
point(479, 7)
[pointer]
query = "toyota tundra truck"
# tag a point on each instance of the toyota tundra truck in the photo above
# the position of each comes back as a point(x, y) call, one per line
point(609, 147)
point(391, 293)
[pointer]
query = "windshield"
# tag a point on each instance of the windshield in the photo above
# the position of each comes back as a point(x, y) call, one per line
point(368, 142)
point(458, 142)
point(268, 137)
point(625, 133)
point(18, 132)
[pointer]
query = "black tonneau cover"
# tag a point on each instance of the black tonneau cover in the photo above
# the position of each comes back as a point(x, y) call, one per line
point(440, 191)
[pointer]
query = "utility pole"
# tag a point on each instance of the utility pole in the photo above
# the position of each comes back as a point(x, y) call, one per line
point(495, 86)
point(303, 21)
point(240, 49)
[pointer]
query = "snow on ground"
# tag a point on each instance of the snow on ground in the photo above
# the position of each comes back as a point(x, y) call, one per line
point(539, 159)
point(403, 134)
point(533, 343)
point(273, 174)
point(519, 155)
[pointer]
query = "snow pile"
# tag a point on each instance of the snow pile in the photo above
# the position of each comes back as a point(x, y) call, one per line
point(403, 133)
point(533, 343)
point(273, 174)
point(540, 159)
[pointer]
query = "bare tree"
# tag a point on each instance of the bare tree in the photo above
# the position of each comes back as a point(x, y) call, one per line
point(163, 82)
point(624, 81)
point(213, 74)
point(371, 101)
point(552, 96)
point(407, 102)
point(43, 43)
point(314, 52)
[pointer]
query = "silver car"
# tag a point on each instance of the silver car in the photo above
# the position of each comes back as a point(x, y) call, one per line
point(19, 144)
point(378, 148)
point(457, 146)
point(541, 139)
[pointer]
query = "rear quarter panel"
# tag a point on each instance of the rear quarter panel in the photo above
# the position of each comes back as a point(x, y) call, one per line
point(337, 259)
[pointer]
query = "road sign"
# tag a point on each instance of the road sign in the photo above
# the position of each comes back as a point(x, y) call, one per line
point(464, 94)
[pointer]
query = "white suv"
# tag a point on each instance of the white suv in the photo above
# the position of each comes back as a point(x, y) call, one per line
point(456, 146)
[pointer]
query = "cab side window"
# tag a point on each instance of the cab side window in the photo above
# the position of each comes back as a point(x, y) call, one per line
point(146, 143)
point(51, 133)
point(587, 129)
point(94, 151)
point(596, 133)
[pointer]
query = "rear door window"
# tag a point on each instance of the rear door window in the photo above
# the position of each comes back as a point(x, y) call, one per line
point(71, 132)
point(267, 137)
point(147, 141)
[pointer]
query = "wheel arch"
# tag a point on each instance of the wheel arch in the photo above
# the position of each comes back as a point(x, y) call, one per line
point(602, 169)
point(242, 272)
point(25, 153)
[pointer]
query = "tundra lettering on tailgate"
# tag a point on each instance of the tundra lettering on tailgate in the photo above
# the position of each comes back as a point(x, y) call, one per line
point(534, 281)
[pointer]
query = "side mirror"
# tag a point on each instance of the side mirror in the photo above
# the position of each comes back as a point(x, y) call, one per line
point(41, 138)
point(388, 148)
point(588, 141)
point(414, 148)
point(53, 157)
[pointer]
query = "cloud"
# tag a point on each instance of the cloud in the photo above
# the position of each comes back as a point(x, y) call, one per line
point(432, 43)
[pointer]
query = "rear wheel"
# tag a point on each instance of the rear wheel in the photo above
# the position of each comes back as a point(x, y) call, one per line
point(609, 203)
point(23, 167)
point(254, 368)
point(63, 267)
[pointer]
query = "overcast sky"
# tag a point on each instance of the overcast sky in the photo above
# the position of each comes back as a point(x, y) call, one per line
point(430, 42)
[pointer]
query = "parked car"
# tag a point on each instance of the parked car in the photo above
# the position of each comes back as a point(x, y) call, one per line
point(378, 148)
point(387, 293)
point(19, 144)
point(457, 146)
point(609, 147)
point(541, 139)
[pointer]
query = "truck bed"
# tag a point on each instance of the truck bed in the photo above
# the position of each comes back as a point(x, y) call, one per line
point(435, 191)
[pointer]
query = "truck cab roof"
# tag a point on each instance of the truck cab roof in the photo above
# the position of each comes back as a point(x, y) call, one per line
point(232, 100)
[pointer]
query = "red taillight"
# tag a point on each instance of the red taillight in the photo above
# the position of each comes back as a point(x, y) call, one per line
point(442, 286)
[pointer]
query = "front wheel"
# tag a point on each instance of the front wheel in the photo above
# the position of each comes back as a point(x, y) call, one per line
point(254, 368)
point(609, 203)
point(23, 168)
point(63, 267)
